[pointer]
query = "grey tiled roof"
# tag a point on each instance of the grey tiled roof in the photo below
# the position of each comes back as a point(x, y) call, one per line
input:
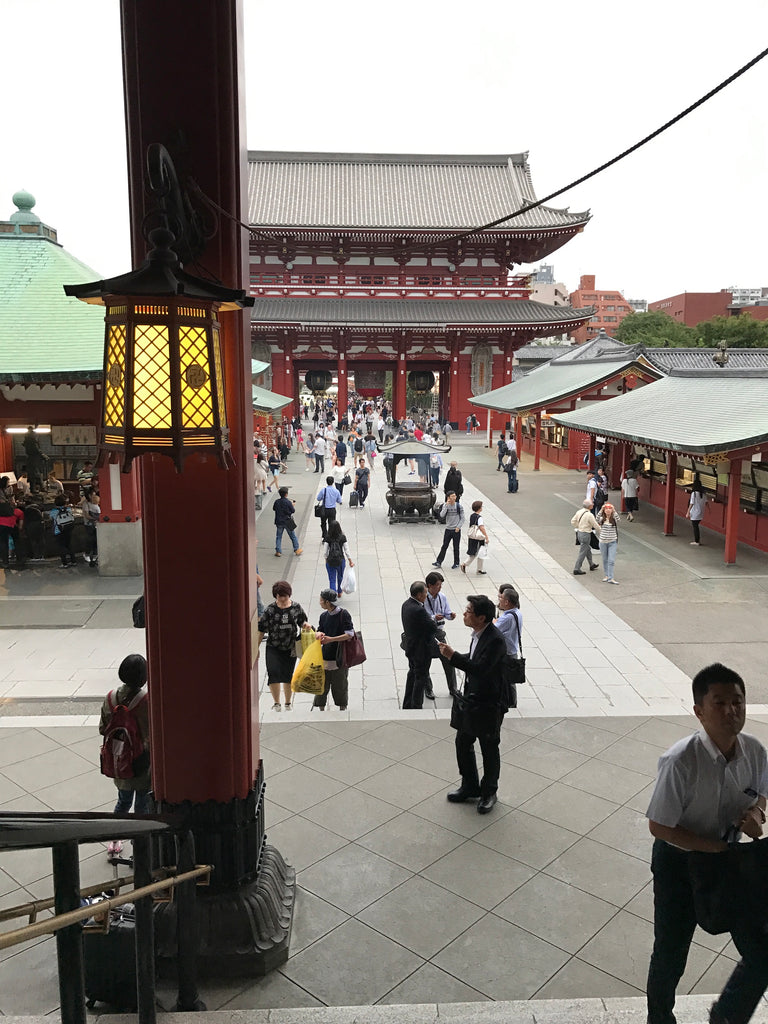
point(541, 353)
point(548, 384)
point(425, 312)
point(701, 358)
point(689, 411)
point(601, 345)
point(362, 190)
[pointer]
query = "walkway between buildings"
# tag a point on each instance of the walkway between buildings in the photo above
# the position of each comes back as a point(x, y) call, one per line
point(403, 898)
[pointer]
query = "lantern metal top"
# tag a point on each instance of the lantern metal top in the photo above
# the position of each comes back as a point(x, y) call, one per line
point(179, 238)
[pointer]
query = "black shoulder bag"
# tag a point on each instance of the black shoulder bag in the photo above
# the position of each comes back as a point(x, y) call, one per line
point(517, 665)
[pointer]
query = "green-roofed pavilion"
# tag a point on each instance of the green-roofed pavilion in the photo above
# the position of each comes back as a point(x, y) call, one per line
point(43, 334)
point(713, 423)
point(51, 346)
point(583, 375)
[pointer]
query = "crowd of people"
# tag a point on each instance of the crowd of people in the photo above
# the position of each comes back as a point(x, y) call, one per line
point(25, 515)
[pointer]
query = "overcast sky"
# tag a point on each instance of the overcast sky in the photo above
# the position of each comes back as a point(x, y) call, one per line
point(571, 83)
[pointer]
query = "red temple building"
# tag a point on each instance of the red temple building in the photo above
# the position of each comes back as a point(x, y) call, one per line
point(356, 268)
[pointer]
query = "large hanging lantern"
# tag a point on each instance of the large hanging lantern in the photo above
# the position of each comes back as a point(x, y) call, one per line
point(318, 381)
point(163, 388)
point(421, 381)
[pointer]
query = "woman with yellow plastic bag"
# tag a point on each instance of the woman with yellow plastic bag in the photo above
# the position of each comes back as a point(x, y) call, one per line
point(334, 629)
point(309, 674)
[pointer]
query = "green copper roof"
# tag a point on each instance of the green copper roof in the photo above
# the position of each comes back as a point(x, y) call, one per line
point(690, 411)
point(41, 330)
point(550, 383)
point(267, 401)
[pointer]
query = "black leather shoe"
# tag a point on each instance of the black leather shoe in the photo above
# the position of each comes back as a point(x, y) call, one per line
point(593, 567)
point(461, 795)
point(579, 572)
point(486, 804)
point(429, 694)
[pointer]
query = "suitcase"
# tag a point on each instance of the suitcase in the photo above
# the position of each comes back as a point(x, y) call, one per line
point(110, 963)
point(354, 499)
point(515, 486)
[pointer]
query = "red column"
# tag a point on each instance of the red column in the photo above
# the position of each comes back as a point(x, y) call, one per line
point(519, 432)
point(399, 382)
point(342, 397)
point(591, 460)
point(453, 388)
point(537, 443)
point(6, 451)
point(120, 494)
point(622, 456)
point(669, 495)
point(183, 74)
point(732, 510)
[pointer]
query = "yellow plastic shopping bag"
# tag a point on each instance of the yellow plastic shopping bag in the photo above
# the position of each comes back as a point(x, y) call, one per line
point(309, 674)
point(307, 638)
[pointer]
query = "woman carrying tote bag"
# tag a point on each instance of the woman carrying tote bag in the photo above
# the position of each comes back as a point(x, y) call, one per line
point(477, 546)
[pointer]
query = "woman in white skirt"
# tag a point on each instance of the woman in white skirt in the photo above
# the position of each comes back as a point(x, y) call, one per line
point(478, 539)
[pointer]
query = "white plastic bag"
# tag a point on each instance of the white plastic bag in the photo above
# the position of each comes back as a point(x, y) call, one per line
point(349, 581)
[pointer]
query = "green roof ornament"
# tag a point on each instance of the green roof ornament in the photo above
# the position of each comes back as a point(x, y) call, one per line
point(24, 201)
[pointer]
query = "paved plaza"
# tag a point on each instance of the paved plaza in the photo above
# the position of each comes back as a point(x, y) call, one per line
point(403, 898)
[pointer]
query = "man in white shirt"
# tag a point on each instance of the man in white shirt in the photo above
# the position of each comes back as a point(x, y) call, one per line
point(711, 787)
point(439, 610)
point(319, 450)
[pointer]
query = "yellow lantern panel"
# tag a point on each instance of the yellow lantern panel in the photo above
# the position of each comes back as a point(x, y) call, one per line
point(219, 375)
point(114, 377)
point(151, 377)
point(196, 396)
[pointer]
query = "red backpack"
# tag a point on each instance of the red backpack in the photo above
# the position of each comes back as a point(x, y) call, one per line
point(122, 753)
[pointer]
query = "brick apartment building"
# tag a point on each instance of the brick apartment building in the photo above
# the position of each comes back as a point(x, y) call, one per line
point(610, 305)
point(691, 308)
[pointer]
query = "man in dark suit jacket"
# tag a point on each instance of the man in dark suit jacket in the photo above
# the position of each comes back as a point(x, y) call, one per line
point(419, 631)
point(479, 710)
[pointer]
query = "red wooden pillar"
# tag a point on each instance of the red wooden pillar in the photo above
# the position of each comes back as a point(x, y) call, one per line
point(537, 443)
point(591, 460)
point(453, 389)
point(623, 460)
point(6, 451)
point(183, 74)
point(670, 494)
point(399, 382)
point(342, 395)
point(732, 511)
point(519, 432)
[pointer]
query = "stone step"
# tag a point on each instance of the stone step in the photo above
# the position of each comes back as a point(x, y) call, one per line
point(688, 1010)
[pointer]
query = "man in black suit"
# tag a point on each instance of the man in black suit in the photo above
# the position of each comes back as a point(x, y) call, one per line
point(478, 711)
point(419, 632)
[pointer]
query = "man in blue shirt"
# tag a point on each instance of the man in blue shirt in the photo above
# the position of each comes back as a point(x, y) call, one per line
point(510, 620)
point(328, 498)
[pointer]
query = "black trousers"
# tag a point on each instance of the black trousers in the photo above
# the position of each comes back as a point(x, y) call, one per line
point(483, 726)
point(674, 922)
point(454, 537)
point(417, 681)
point(328, 516)
point(450, 672)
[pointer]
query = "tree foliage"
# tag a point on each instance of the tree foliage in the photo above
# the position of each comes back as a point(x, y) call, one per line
point(739, 331)
point(659, 330)
point(656, 330)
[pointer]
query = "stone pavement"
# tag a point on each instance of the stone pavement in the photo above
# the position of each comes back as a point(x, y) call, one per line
point(402, 898)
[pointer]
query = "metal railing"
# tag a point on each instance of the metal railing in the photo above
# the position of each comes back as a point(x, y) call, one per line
point(62, 833)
